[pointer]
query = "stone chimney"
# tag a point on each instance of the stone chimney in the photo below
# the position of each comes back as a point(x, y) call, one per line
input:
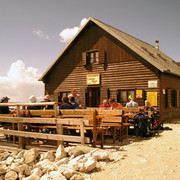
point(157, 45)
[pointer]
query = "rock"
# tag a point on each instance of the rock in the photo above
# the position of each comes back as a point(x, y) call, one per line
point(62, 161)
point(5, 155)
point(75, 152)
point(73, 163)
point(48, 155)
point(30, 155)
point(32, 177)
point(2, 170)
point(77, 177)
point(100, 155)
point(54, 175)
point(2, 177)
point(67, 172)
point(15, 167)
point(115, 156)
point(86, 164)
point(45, 177)
point(21, 176)
point(23, 168)
point(37, 172)
point(20, 155)
point(11, 175)
point(9, 160)
point(60, 153)
point(46, 165)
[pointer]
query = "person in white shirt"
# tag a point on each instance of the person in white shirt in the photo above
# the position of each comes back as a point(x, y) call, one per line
point(131, 103)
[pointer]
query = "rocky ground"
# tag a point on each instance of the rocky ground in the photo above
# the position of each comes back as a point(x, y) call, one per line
point(156, 157)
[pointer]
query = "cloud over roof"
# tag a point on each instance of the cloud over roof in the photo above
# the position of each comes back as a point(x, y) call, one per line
point(21, 82)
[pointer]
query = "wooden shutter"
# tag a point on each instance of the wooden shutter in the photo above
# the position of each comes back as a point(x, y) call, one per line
point(101, 56)
point(84, 58)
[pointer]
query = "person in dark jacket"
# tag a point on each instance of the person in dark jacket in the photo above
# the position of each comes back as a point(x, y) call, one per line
point(72, 101)
point(66, 104)
point(4, 109)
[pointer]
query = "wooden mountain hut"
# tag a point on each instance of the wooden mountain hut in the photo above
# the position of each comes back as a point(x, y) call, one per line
point(102, 61)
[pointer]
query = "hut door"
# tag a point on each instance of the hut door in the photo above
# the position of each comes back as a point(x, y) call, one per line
point(93, 96)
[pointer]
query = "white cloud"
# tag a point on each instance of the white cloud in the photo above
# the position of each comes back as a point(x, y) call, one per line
point(67, 34)
point(41, 34)
point(20, 83)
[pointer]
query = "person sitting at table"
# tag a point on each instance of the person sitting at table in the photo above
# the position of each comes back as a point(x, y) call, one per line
point(5, 109)
point(66, 104)
point(148, 109)
point(114, 104)
point(46, 99)
point(105, 104)
point(131, 103)
point(32, 99)
point(72, 101)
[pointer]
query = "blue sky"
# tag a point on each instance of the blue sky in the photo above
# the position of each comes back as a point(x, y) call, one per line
point(29, 30)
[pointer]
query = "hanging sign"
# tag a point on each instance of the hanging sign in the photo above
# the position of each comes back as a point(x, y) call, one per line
point(138, 93)
point(152, 98)
point(92, 79)
point(152, 84)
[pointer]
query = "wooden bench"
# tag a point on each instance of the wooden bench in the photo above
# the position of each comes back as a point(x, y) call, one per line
point(128, 114)
point(111, 120)
point(85, 114)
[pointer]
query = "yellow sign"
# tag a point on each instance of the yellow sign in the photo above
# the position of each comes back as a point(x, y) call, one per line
point(138, 93)
point(93, 79)
point(152, 98)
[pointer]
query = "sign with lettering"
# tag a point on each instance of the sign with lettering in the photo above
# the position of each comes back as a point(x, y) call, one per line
point(152, 84)
point(138, 93)
point(92, 79)
point(152, 98)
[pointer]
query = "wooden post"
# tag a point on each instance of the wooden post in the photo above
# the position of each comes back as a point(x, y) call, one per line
point(94, 128)
point(59, 129)
point(82, 131)
point(20, 128)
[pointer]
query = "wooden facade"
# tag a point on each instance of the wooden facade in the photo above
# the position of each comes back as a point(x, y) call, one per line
point(122, 71)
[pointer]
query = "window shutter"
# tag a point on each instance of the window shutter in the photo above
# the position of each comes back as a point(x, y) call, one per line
point(84, 58)
point(101, 56)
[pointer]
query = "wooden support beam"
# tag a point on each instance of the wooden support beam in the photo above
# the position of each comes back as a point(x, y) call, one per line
point(44, 136)
point(82, 131)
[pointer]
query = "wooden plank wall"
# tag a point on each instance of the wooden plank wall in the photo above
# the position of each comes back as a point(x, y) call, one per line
point(169, 82)
point(123, 70)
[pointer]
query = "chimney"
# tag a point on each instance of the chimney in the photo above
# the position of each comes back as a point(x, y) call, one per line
point(157, 45)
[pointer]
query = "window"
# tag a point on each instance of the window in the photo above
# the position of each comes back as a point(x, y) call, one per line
point(94, 57)
point(63, 94)
point(174, 98)
point(90, 57)
point(122, 96)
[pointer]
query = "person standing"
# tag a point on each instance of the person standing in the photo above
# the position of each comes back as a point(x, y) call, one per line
point(76, 96)
point(131, 103)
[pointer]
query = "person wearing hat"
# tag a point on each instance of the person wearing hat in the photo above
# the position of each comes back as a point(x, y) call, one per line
point(32, 99)
point(4, 109)
point(46, 99)
point(131, 103)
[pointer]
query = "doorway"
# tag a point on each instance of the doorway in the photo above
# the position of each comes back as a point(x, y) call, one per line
point(93, 97)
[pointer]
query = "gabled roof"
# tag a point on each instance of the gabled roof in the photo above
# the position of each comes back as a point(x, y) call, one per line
point(155, 57)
